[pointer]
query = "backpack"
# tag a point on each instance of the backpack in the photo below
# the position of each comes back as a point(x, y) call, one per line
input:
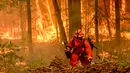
point(91, 43)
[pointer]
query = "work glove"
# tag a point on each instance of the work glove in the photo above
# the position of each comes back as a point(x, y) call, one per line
point(68, 53)
point(67, 50)
point(89, 59)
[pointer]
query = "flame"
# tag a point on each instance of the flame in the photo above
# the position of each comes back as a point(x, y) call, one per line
point(6, 35)
point(11, 34)
point(104, 54)
point(126, 35)
point(47, 34)
point(112, 9)
point(123, 6)
point(39, 26)
point(49, 12)
point(62, 42)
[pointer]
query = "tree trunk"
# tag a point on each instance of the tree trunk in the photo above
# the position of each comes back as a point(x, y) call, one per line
point(22, 22)
point(60, 23)
point(29, 27)
point(95, 51)
point(107, 17)
point(74, 16)
point(96, 21)
point(117, 14)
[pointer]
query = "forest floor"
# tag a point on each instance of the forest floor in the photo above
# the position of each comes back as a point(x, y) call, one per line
point(51, 58)
point(57, 66)
point(54, 63)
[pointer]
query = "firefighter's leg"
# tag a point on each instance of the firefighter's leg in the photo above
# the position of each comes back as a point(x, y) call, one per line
point(84, 61)
point(74, 59)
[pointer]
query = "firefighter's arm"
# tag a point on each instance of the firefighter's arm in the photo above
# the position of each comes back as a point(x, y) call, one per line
point(88, 50)
point(70, 44)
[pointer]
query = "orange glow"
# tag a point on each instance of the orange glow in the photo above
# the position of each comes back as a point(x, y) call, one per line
point(126, 35)
point(112, 9)
point(123, 7)
point(49, 12)
point(46, 34)
point(10, 34)
point(40, 34)
point(64, 15)
point(6, 35)
point(39, 27)
point(104, 54)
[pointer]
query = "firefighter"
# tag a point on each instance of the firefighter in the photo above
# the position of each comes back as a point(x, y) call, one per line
point(80, 49)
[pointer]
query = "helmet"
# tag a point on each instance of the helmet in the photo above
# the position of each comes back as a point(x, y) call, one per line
point(78, 33)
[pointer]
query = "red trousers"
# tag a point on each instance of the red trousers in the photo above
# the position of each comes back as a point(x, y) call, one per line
point(75, 58)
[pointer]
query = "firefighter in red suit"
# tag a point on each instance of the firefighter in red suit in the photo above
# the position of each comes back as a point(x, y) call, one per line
point(80, 50)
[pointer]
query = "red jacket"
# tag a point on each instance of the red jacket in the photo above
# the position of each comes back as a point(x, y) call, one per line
point(86, 45)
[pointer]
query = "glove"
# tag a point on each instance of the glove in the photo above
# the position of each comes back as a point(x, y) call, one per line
point(67, 50)
point(89, 59)
point(68, 53)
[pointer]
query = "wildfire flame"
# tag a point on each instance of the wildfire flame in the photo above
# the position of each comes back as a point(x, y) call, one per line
point(39, 23)
point(44, 35)
point(48, 33)
point(11, 34)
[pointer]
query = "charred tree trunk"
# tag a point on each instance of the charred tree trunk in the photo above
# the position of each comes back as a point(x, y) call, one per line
point(60, 23)
point(96, 51)
point(117, 14)
point(74, 16)
point(29, 27)
point(96, 21)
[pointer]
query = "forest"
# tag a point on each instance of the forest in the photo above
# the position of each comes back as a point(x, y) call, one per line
point(32, 33)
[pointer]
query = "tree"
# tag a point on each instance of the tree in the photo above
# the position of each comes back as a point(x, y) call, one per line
point(96, 30)
point(74, 16)
point(29, 27)
point(117, 14)
point(22, 21)
point(60, 23)
point(96, 21)
point(106, 5)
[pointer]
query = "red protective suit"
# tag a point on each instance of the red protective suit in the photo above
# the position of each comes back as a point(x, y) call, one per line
point(80, 47)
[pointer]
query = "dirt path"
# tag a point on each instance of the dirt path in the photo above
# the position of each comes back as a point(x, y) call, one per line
point(47, 52)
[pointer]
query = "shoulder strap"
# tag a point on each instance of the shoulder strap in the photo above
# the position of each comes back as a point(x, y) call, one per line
point(91, 43)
